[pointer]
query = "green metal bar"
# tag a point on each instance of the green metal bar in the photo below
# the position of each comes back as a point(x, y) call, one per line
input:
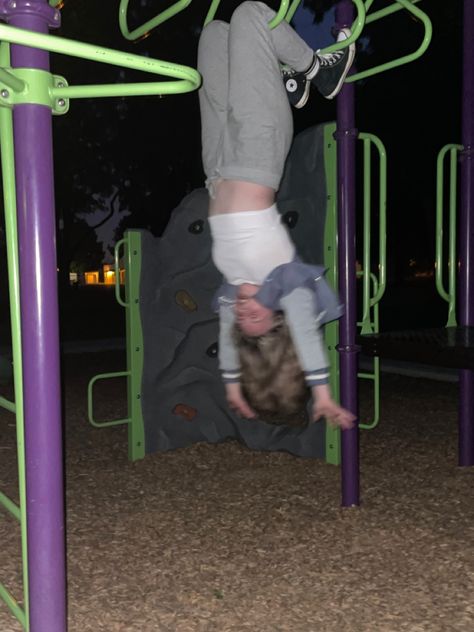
point(449, 296)
point(366, 326)
point(356, 30)
point(14, 606)
point(292, 10)
point(382, 13)
point(331, 330)
point(212, 11)
point(133, 324)
point(382, 264)
point(281, 13)
point(375, 376)
point(9, 193)
point(189, 79)
point(12, 82)
point(7, 404)
point(452, 239)
point(118, 296)
point(406, 4)
point(145, 29)
point(90, 395)
point(368, 4)
point(12, 507)
point(373, 327)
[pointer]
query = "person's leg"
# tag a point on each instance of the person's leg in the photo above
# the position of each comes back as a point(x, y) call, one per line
point(259, 127)
point(213, 95)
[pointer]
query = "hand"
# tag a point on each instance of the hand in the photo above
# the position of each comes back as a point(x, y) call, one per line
point(325, 406)
point(237, 401)
point(335, 414)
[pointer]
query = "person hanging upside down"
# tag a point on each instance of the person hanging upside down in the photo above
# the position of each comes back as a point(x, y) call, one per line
point(250, 76)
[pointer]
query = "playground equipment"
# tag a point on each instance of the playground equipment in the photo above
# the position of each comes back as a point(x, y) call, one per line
point(29, 94)
point(175, 392)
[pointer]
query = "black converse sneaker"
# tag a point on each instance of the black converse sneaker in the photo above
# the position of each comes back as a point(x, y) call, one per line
point(327, 72)
point(333, 68)
point(297, 84)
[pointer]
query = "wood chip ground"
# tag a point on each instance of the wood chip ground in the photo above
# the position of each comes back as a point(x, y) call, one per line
point(217, 538)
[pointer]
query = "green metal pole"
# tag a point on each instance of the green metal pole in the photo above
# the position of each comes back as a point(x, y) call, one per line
point(9, 192)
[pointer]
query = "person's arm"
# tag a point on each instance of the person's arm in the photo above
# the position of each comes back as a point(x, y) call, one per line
point(303, 322)
point(229, 363)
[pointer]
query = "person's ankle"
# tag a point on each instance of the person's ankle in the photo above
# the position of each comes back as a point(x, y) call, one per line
point(313, 68)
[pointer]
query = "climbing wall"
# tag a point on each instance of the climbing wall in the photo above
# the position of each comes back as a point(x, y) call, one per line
point(183, 399)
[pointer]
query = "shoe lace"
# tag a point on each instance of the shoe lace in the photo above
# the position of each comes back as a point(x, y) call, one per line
point(329, 59)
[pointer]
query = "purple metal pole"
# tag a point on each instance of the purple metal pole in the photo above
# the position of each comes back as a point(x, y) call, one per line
point(346, 139)
point(40, 337)
point(466, 240)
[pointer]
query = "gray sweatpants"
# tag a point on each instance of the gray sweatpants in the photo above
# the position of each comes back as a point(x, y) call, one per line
point(247, 125)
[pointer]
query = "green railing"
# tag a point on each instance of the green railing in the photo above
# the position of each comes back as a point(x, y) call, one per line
point(369, 300)
point(19, 610)
point(373, 375)
point(188, 79)
point(450, 295)
point(373, 284)
point(134, 347)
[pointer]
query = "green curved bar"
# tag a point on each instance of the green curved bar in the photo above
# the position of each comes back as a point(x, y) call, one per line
point(382, 267)
point(118, 297)
point(449, 296)
point(356, 30)
point(189, 79)
point(145, 29)
point(90, 407)
point(405, 4)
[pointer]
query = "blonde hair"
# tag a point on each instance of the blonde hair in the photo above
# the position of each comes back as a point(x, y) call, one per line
point(272, 379)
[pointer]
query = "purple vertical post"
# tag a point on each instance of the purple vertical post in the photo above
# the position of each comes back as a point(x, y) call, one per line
point(346, 140)
point(466, 237)
point(40, 336)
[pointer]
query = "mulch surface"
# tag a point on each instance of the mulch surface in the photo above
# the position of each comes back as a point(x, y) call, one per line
point(221, 538)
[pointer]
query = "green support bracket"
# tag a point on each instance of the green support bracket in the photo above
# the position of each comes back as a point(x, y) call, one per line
point(373, 284)
point(33, 86)
point(331, 330)
point(450, 295)
point(133, 259)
